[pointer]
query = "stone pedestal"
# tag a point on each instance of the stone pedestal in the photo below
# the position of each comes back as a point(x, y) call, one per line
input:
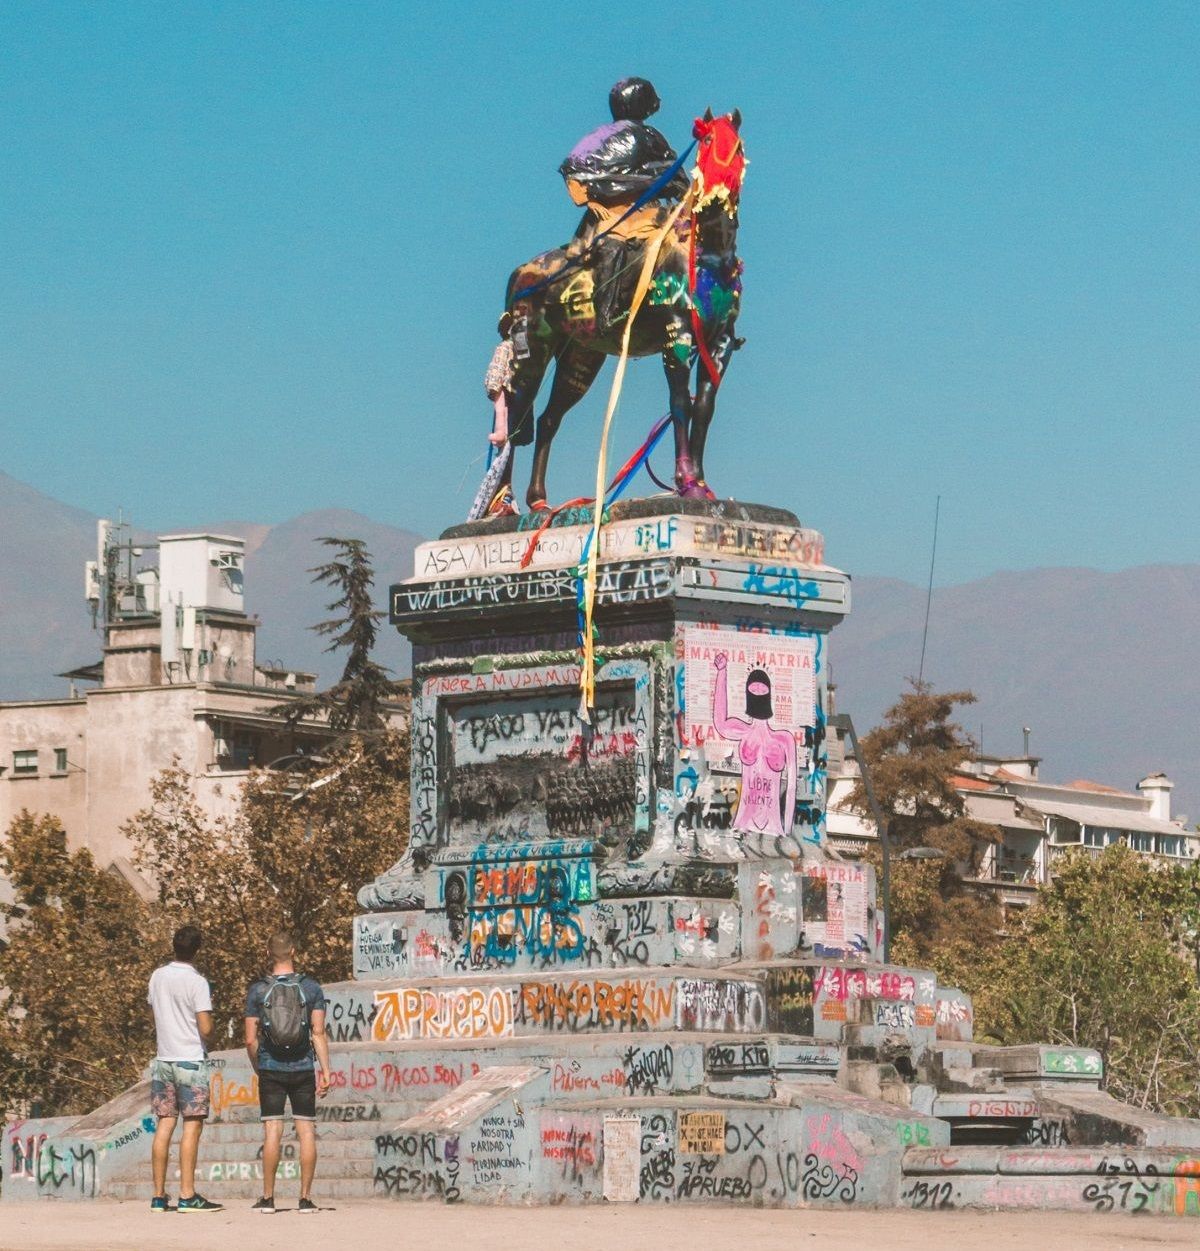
point(671, 830)
point(621, 965)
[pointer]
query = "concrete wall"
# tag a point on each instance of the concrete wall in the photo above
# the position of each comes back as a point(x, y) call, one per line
point(44, 727)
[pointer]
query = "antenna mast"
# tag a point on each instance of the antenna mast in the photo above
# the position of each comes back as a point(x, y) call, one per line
point(937, 512)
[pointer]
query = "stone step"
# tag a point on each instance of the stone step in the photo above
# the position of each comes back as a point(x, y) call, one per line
point(1074, 1179)
point(1034, 1060)
point(234, 1193)
point(1089, 1115)
point(514, 1005)
point(216, 1144)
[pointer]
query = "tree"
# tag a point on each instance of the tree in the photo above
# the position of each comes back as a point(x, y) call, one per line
point(355, 703)
point(913, 758)
point(74, 1027)
point(1102, 961)
point(292, 858)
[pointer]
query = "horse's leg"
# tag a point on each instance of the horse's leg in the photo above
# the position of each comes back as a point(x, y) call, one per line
point(705, 402)
point(574, 372)
point(675, 364)
point(527, 381)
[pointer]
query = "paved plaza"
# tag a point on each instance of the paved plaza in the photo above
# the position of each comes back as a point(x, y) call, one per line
point(131, 1227)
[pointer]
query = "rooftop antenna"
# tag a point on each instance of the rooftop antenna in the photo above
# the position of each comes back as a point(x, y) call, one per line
point(937, 512)
point(1026, 731)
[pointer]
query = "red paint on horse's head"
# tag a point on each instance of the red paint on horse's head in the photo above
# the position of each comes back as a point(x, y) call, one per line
point(721, 158)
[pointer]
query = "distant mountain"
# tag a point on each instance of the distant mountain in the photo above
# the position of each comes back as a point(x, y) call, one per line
point(1100, 665)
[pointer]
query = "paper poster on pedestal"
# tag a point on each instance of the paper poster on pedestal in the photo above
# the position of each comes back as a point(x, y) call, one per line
point(748, 700)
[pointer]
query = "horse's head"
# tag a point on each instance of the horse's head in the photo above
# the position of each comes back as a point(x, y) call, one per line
point(721, 159)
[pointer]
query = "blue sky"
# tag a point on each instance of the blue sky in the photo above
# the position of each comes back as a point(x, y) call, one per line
point(252, 255)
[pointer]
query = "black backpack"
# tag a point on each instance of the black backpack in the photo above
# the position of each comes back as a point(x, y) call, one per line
point(285, 1018)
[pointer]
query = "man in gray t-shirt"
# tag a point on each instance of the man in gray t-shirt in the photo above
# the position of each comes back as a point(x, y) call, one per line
point(295, 1073)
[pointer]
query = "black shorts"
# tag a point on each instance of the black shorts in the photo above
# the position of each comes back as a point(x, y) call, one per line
point(276, 1087)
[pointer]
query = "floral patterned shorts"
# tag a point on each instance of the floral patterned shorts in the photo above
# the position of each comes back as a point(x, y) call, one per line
point(179, 1088)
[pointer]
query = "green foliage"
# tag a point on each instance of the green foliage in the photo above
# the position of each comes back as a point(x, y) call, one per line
point(74, 1026)
point(356, 701)
point(1105, 959)
point(292, 859)
point(913, 757)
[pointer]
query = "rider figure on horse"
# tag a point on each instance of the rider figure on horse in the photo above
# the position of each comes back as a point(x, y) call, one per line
point(607, 170)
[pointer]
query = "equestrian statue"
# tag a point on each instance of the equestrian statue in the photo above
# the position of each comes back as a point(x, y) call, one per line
point(572, 305)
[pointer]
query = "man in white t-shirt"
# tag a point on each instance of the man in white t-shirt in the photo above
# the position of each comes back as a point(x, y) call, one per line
point(179, 1076)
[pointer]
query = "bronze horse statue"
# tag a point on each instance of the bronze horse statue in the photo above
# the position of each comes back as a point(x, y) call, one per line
point(688, 316)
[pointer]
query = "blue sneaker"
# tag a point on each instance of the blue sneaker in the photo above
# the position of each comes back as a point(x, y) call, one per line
point(160, 1203)
point(198, 1203)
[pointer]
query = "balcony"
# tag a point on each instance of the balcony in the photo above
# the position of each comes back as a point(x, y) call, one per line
point(1058, 850)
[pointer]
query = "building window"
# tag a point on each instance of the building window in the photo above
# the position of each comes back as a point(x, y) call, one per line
point(60, 760)
point(24, 762)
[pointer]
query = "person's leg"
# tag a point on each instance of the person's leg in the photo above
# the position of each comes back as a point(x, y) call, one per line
point(193, 1096)
point(304, 1113)
point(306, 1131)
point(189, 1146)
point(272, 1141)
point(164, 1103)
point(160, 1151)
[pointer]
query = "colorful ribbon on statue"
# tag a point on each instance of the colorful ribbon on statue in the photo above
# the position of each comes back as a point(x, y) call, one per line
point(587, 667)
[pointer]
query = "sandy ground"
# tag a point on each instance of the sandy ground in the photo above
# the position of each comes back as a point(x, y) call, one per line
point(117, 1226)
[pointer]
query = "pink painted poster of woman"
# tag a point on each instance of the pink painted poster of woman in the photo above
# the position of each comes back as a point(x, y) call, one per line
point(768, 756)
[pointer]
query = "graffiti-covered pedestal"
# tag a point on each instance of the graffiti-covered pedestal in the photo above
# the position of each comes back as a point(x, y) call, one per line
point(700, 781)
point(620, 963)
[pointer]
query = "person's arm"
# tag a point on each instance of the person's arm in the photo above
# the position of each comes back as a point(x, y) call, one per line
point(321, 1047)
point(252, 1041)
point(204, 1023)
point(202, 1006)
point(725, 725)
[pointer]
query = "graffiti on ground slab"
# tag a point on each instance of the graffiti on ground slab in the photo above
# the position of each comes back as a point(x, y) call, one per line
point(416, 1166)
point(458, 1013)
point(832, 1164)
point(721, 1005)
point(571, 1145)
point(839, 983)
point(622, 1004)
point(225, 1093)
point(1074, 1060)
point(66, 1170)
point(751, 1059)
point(564, 545)
point(954, 1017)
point(497, 1150)
point(733, 1155)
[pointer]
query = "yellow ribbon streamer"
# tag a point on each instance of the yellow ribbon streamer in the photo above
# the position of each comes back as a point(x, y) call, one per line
point(587, 668)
